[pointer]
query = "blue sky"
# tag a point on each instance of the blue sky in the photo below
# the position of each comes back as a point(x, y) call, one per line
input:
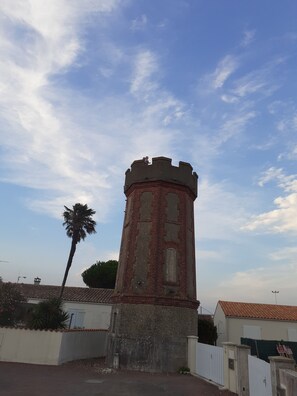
point(88, 86)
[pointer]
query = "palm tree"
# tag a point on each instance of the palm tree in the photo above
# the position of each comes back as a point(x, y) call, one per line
point(78, 223)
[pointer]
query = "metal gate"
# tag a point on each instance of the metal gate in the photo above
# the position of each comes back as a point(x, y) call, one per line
point(259, 377)
point(210, 362)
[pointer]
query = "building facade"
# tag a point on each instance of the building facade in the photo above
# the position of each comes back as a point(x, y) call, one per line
point(235, 320)
point(155, 305)
point(87, 308)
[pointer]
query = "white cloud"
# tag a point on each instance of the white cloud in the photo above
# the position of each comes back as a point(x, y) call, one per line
point(139, 23)
point(271, 174)
point(283, 219)
point(225, 68)
point(49, 144)
point(286, 254)
point(287, 183)
point(229, 98)
point(219, 212)
point(280, 220)
point(252, 285)
point(142, 84)
point(248, 37)
point(234, 125)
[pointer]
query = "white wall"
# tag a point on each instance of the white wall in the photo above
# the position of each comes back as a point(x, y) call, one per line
point(221, 324)
point(50, 347)
point(95, 316)
point(269, 329)
point(29, 346)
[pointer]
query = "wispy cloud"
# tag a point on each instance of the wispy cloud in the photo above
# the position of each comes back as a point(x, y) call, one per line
point(234, 125)
point(248, 37)
point(263, 280)
point(225, 68)
point(145, 67)
point(139, 23)
point(49, 144)
point(219, 211)
point(251, 83)
point(283, 219)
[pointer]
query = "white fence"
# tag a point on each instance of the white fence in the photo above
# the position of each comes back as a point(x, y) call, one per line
point(239, 372)
point(259, 377)
point(210, 362)
point(50, 347)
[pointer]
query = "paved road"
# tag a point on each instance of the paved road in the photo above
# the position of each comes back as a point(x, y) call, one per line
point(92, 379)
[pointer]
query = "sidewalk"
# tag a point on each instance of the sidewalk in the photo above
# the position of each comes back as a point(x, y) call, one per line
point(91, 378)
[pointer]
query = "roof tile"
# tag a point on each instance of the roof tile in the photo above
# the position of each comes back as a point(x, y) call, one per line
point(259, 311)
point(77, 294)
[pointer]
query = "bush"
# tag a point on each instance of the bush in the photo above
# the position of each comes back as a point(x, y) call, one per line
point(207, 332)
point(10, 304)
point(48, 315)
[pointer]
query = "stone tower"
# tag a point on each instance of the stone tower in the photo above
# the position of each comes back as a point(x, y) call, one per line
point(155, 306)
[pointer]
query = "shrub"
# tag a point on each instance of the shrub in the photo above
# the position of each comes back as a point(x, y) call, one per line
point(10, 304)
point(207, 331)
point(48, 315)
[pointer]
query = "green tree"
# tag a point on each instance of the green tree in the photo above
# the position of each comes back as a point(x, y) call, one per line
point(78, 223)
point(48, 315)
point(102, 274)
point(207, 331)
point(10, 304)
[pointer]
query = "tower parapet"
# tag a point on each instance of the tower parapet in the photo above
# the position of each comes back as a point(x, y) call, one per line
point(161, 169)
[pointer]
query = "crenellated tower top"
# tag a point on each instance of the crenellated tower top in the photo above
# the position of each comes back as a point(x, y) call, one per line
point(161, 169)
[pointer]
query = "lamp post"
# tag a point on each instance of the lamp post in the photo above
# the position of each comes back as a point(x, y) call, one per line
point(21, 277)
point(275, 292)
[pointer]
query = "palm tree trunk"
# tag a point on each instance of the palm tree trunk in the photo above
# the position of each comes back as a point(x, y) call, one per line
point(69, 262)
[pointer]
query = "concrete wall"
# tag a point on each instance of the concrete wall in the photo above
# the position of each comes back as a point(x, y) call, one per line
point(95, 316)
point(288, 382)
point(283, 376)
point(50, 347)
point(232, 329)
point(82, 345)
point(156, 343)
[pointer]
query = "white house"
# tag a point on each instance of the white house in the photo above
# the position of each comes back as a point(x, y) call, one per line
point(258, 321)
point(88, 308)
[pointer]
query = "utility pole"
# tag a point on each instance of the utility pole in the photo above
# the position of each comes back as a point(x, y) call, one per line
point(275, 292)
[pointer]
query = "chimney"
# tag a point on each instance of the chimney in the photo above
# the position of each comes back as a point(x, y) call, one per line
point(37, 281)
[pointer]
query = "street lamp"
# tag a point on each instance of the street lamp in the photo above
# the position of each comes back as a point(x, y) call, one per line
point(275, 292)
point(21, 277)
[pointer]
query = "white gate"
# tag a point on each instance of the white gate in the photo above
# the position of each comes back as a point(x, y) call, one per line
point(259, 377)
point(210, 362)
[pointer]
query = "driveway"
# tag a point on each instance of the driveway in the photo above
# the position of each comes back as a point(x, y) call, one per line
point(92, 378)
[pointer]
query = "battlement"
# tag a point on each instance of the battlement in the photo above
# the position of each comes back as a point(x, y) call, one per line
point(161, 169)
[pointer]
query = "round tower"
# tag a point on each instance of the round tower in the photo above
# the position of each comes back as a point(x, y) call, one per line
point(155, 305)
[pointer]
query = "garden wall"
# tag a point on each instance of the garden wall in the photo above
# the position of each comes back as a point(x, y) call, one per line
point(50, 347)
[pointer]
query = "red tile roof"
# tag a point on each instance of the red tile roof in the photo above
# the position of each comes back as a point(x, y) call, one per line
point(75, 294)
point(259, 311)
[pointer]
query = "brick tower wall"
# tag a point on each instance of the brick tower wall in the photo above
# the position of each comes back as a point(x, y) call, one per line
point(155, 304)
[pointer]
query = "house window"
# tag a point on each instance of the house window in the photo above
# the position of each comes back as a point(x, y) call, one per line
point(253, 332)
point(76, 319)
point(292, 334)
point(171, 266)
